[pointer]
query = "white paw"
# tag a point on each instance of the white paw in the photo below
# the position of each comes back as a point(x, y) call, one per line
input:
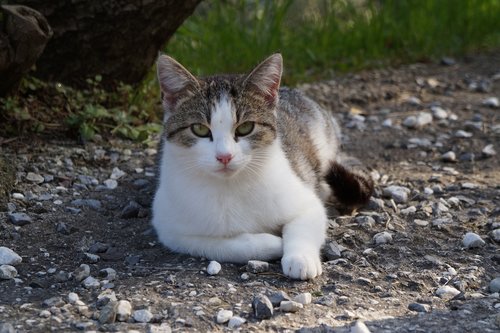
point(301, 266)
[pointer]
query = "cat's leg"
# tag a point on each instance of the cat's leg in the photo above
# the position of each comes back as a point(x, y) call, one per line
point(302, 240)
point(350, 182)
point(237, 249)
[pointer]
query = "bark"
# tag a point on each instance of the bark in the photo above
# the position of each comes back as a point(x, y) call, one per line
point(24, 33)
point(117, 39)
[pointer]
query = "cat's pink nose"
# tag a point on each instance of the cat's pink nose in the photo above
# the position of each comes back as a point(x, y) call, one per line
point(224, 158)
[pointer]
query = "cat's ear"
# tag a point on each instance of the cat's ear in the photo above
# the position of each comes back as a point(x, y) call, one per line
point(264, 80)
point(175, 81)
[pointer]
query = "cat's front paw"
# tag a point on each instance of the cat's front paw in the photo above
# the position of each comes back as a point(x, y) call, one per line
point(301, 266)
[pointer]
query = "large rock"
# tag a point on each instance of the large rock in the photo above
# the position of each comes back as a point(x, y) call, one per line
point(118, 39)
point(24, 32)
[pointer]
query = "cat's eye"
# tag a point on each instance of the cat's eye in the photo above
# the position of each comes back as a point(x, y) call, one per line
point(200, 130)
point(245, 128)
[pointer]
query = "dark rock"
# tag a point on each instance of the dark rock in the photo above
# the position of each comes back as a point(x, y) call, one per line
point(132, 260)
point(39, 283)
point(91, 203)
point(108, 313)
point(53, 301)
point(277, 297)
point(262, 307)
point(98, 247)
point(417, 307)
point(130, 210)
point(332, 251)
point(20, 219)
point(112, 254)
point(64, 229)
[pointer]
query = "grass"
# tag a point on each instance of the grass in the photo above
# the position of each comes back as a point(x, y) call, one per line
point(318, 37)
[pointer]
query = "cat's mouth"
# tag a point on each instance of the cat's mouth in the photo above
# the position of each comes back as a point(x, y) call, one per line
point(225, 171)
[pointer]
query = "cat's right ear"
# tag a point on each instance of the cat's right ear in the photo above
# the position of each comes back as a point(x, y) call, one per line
point(176, 82)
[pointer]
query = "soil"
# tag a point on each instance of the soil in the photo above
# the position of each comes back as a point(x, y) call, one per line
point(373, 283)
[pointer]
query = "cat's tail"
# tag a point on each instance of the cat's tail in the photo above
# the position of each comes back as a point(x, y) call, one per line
point(351, 184)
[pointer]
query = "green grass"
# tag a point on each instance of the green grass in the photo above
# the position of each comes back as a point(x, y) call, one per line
point(317, 37)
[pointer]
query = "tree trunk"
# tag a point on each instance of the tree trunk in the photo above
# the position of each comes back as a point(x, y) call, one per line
point(117, 39)
point(23, 35)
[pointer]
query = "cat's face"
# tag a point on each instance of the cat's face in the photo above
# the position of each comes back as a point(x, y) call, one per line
point(220, 125)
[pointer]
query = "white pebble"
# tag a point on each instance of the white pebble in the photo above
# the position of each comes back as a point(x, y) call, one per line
point(111, 184)
point(235, 322)
point(489, 150)
point(304, 298)
point(463, 134)
point(90, 282)
point(223, 316)
point(359, 327)
point(73, 298)
point(18, 196)
point(472, 240)
point(449, 157)
point(7, 272)
point(9, 257)
point(491, 102)
point(290, 306)
point(142, 316)
point(439, 113)
point(123, 310)
point(495, 285)
point(447, 292)
point(214, 268)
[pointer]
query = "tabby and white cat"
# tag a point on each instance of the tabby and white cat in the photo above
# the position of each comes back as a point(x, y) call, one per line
point(246, 167)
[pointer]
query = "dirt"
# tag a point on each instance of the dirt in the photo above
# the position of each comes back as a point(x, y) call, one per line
point(371, 283)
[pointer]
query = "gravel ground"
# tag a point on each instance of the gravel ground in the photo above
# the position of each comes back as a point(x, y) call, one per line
point(78, 253)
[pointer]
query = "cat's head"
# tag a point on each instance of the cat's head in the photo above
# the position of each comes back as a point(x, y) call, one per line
point(220, 125)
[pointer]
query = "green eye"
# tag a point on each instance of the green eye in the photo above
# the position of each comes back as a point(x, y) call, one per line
point(200, 130)
point(245, 128)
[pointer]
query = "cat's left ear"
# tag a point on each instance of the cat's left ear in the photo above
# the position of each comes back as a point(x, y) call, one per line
point(264, 80)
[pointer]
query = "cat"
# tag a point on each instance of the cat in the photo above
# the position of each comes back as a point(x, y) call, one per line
point(246, 167)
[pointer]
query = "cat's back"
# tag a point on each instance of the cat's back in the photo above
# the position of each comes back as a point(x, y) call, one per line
point(309, 134)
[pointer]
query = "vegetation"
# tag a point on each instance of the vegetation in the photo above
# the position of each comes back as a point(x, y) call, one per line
point(319, 36)
point(316, 37)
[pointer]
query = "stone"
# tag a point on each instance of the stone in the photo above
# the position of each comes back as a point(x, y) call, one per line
point(91, 283)
point(63, 228)
point(142, 316)
point(82, 272)
point(7, 328)
point(383, 237)
point(303, 298)
point(117, 173)
point(93, 258)
point(494, 285)
point(449, 157)
point(235, 322)
point(257, 266)
point(277, 297)
point(223, 316)
point(447, 292)
point(495, 235)
point(491, 102)
point(105, 297)
point(91, 203)
point(418, 307)
point(262, 307)
point(123, 310)
point(398, 193)
point(44, 314)
point(472, 240)
point(366, 222)
point(420, 120)
point(7, 272)
point(410, 122)
point(290, 306)
point(488, 151)
point(163, 328)
point(73, 298)
point(463, 134)
point(34, 178)
point(19, 219)
point(131, 210)
point(108, 313)
point(439, 113)
point(333, 250)
point(53, 301)
point(110, 184)
point(213, 268)
point(447, 61)
point(359, 327)
point(9, 257)
point(107, 274)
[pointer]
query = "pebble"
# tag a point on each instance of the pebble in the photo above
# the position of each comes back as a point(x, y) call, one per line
point(489, 151)
point(142, 316)
point(91, 282)
point(108, 313)
point(418, 121)
point(472, 240)
point(9, 257)
point(82, 272)
point(34, 178)
point(421, 223)
point(7, 272)
point(418, 307)
point(359, 327)
point(463, 134)
point(449, 157)
point(53, 301)
point(107, 274)
point(412, 100)
point(73, 298)
point(494, 286)
point(130, 210)
point(117, 173)
point(447, 292)
point(333, 250)
point(491, 102)
point(7, 328)
point(398, 193)
point(257, 266)
point(439, 113)
point(19, 219)
point(495, 235)
point(223, 316)
point(213, 268)
point(235, 322)
point(44, 314)
point(110, 184)
point(383, 237)
point(303, 298)
point(91, 203)
point(365, 221)
point(93, 258)
point(262, 307)
point(123, 310)
point(277, 297)
point(290, 306)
